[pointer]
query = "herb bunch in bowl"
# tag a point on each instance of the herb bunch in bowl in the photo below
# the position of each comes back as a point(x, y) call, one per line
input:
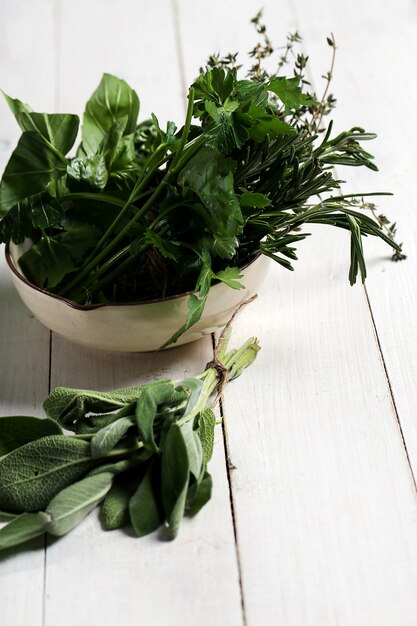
point(141, 212)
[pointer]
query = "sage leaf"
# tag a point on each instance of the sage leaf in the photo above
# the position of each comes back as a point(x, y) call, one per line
point(194, 449)
point(23, 528)
point(119, 467)
point(112, 100)
point(174, 478)
point(17, 430)
point(33, 474)
point(73, 504)
point(66, 406)
point(146, 409)
point(115, 508)
point(199, 494)
point(145, 506)
point(206, 427)
point(108, 437)
point(195, 386)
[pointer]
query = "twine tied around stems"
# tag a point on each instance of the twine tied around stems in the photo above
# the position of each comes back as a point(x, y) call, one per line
point(216, 361)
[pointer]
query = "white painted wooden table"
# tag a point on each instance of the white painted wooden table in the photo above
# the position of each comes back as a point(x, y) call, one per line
point(314, 516)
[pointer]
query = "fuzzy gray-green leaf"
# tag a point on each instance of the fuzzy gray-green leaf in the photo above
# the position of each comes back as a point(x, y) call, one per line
point(108, 437)
point(115, 509)
point(206, 426)
point(22, 529)
point(71, 505)
point(33, 474)
point(145, 506)
point(66, 406)
point(174, 478)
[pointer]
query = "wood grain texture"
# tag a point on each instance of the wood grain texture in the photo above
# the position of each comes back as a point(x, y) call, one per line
point(125, 580)
point(324, 500)
point(27, 72)
point(377, 85)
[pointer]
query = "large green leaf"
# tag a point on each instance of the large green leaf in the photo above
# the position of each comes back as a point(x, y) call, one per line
point(33, 474)
point(58, 129)
point(210, 175)
point(16, 225)
point(113, 99)
point(31, 168)
point(51, 258)
point(91, 170)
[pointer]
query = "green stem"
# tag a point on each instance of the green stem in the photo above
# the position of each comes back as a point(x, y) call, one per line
point(172, 169)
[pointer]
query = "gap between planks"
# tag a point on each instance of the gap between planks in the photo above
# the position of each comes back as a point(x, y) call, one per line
point(390, 389)
point(294, 10)
point(229, 468)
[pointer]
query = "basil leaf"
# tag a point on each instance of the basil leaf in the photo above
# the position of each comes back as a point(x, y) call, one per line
point(145, 506)
point(113, 99)
point(33, 474)
point(16, 431)
point(58, 129)
point(51, 258)
point(91, 170)
point(17, 223)
point(45, 212)
point(175, 474)
point(31, 167)
point(22, 528)
point(71, 505)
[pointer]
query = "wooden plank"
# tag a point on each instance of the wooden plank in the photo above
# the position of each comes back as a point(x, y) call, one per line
point(324, 501)
point(27, 72)
point(378, 85)
point(113, 576)
point(116, 577)
point(323, 497)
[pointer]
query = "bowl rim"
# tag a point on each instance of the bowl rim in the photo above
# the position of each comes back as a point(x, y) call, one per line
point(90, 307)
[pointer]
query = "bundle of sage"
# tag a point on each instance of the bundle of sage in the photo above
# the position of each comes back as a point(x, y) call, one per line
point(140, 452)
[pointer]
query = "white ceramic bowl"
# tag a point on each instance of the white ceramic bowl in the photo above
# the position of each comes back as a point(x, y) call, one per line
point(132, 327)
